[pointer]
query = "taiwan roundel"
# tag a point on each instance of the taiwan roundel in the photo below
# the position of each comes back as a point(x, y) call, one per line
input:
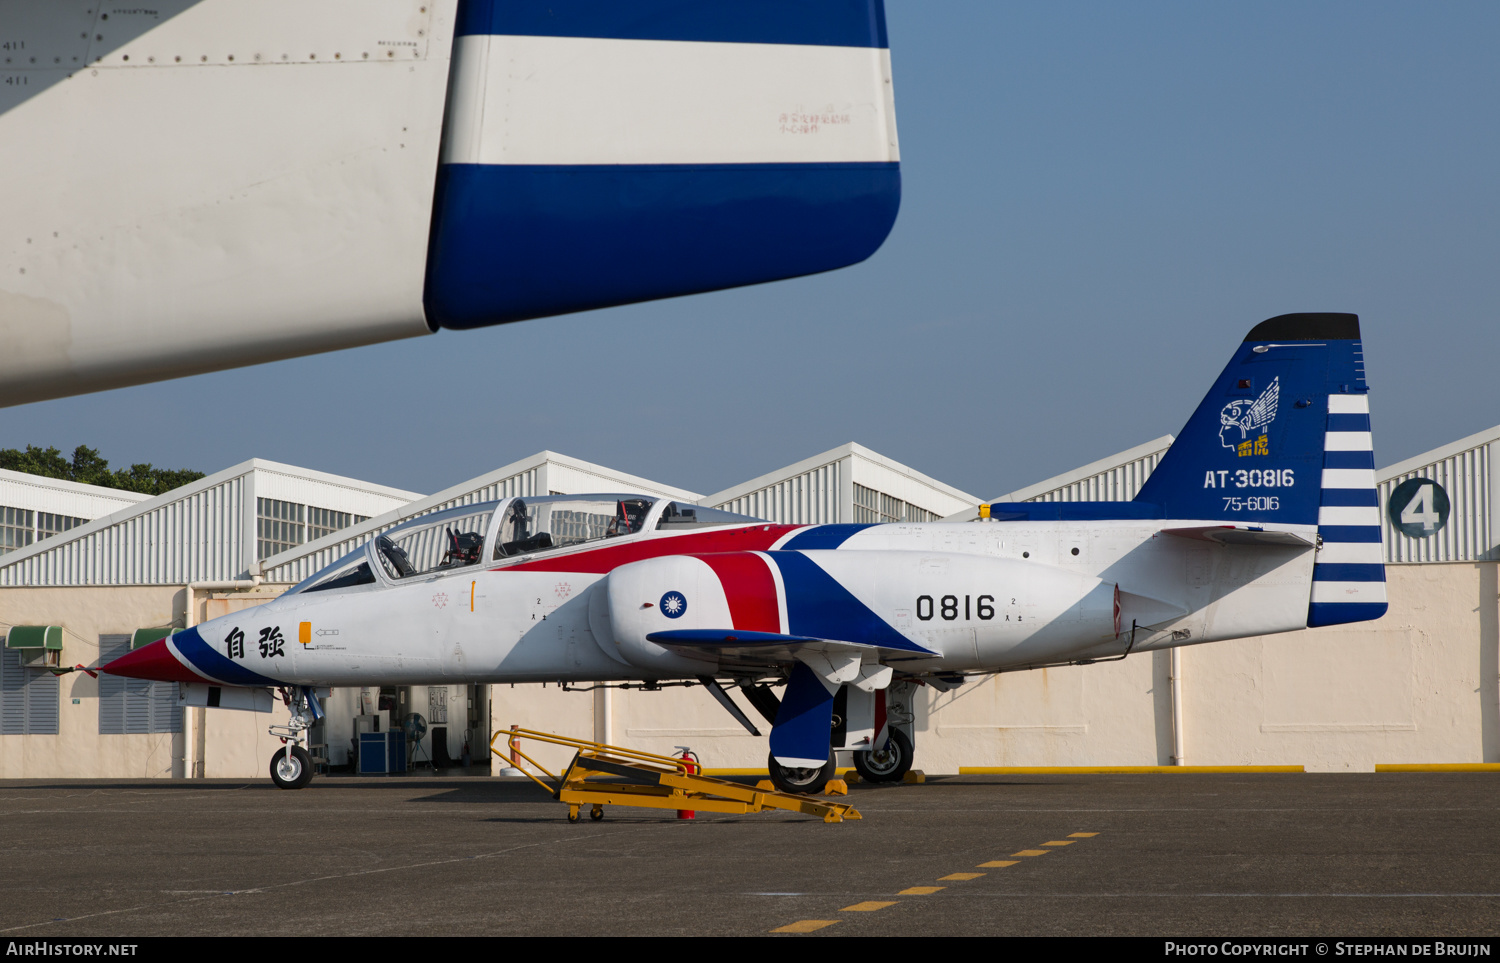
point(673, 604)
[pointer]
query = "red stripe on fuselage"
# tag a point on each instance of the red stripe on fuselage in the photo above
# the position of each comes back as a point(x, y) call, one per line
point(750, 589)
point(607, 558)
point(155, 662)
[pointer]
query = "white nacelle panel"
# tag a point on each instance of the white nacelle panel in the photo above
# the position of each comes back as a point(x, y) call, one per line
point(640, 595)
point(195, 186)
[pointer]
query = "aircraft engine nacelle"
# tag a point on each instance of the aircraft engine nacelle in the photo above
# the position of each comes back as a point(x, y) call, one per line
point(975, 612)
point(659, 594)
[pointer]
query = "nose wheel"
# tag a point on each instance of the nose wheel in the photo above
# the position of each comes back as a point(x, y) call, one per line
point(291, 767)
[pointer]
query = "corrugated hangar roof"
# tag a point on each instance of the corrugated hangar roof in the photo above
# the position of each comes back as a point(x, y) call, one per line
point(849, 483)
point(204, 531)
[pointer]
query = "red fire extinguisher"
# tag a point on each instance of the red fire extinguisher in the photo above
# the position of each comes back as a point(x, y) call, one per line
point(693, 768)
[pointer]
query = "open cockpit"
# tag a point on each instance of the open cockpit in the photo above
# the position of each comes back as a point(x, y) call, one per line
point(504, 532)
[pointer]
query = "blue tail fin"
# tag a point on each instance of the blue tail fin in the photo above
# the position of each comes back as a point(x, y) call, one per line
point(1284, 436)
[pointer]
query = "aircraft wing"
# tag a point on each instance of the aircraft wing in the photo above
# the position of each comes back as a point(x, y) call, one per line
point(818, 668)
point(742, 647)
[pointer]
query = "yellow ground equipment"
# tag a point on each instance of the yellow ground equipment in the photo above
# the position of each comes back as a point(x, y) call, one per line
point(649, 781)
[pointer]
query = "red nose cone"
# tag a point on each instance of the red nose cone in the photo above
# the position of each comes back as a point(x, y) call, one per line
point(155, 662)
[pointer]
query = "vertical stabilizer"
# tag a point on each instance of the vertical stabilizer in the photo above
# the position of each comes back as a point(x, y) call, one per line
point(1284, 437)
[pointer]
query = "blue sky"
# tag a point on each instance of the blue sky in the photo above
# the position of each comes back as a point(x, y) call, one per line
point(1099, 200)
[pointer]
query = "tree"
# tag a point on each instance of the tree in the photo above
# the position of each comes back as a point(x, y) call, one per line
point(87, 467)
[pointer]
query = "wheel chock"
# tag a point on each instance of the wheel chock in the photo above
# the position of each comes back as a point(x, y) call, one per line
point(851, 777)
point(836, 787)
point(914, 776)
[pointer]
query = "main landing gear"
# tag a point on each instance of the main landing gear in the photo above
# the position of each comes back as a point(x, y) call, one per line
point(803, 781)
point(888, 764)
point(875, 727)
point(291, 766)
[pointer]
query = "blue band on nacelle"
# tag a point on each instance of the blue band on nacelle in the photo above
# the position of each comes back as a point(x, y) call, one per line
point(514, 241)
point(832, 23)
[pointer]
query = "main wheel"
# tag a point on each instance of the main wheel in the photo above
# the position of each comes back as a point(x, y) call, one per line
point(803, 781)
point(292, 772)
point(888, 764)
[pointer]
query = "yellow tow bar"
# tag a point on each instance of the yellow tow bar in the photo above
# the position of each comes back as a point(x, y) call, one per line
point(654, 782)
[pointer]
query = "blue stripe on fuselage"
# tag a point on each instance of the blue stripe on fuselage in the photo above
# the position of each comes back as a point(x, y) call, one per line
point(822, 536)
point(831, 23)
point(205, 660)
point(818, 606)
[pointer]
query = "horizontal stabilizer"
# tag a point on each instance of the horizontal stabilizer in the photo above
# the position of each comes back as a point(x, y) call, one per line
point(1244, 535)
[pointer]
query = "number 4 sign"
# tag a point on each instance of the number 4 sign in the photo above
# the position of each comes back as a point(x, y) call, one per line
point(1418, 507)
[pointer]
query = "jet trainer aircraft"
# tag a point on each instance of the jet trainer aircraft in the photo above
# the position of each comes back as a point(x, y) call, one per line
point(1262, 517)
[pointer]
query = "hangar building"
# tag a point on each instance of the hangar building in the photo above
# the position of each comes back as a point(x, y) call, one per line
point(1421, 685)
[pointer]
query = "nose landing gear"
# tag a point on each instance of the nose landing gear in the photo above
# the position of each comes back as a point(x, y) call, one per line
point(291, 766)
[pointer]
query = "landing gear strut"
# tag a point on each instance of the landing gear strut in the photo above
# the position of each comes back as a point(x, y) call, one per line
point(291, 766)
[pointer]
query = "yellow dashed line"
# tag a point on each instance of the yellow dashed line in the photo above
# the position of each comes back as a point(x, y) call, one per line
point(870, 906)
point(804, 926)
